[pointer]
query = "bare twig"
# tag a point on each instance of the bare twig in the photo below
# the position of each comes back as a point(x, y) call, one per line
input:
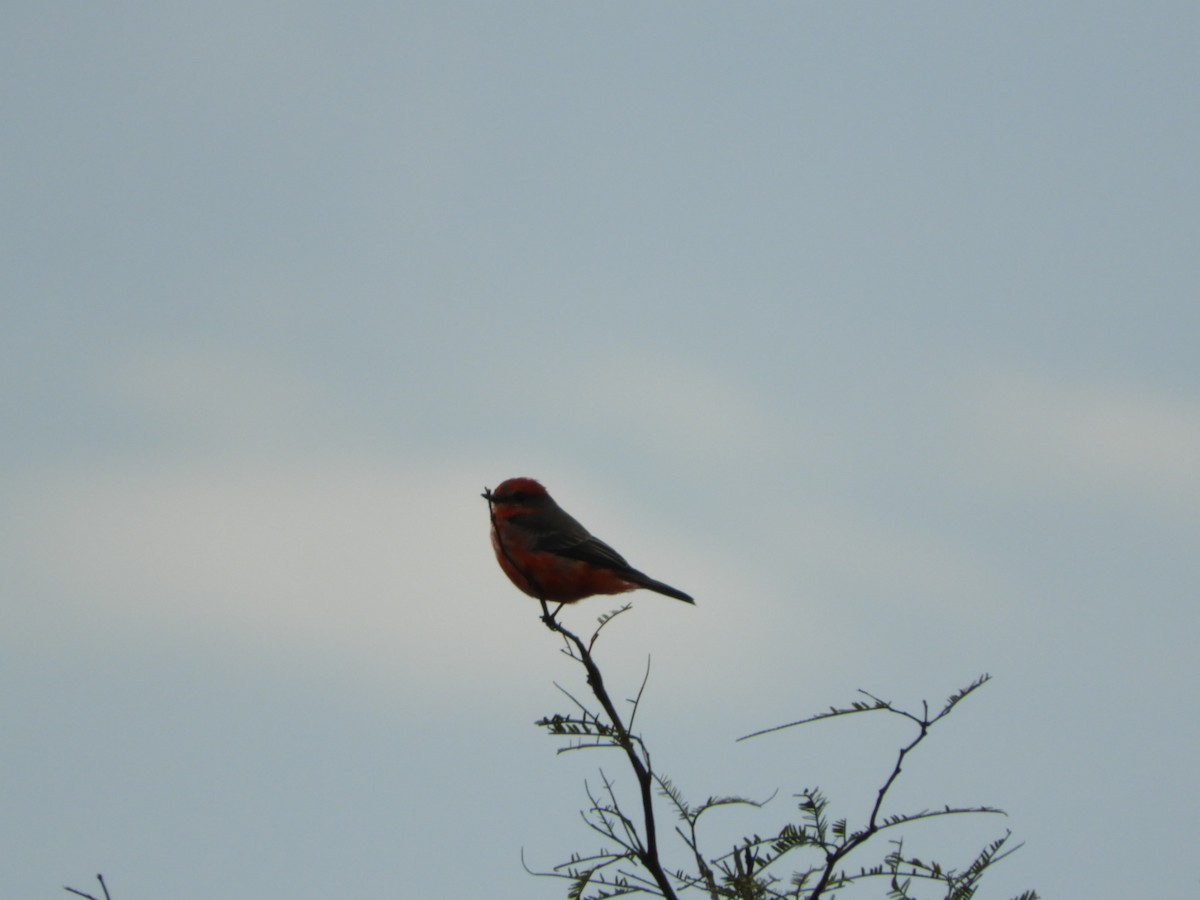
point(637, 701)
point(103, 887)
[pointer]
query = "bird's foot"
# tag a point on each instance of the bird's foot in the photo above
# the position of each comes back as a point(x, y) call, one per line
point(550, 617)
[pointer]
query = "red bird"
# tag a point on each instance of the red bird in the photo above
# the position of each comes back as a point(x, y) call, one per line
point(550, 556)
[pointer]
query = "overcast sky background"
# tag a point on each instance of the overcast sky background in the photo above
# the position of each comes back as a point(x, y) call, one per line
point(872, 326)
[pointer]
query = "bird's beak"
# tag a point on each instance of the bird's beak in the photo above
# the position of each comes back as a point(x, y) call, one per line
point(486, 495)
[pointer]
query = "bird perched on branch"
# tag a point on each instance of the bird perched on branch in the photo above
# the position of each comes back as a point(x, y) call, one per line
point(550, 556)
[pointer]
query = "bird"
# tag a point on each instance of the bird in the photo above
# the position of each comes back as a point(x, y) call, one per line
point(546, 553)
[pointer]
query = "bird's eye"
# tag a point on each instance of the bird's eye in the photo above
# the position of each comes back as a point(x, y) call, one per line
point(517, 497)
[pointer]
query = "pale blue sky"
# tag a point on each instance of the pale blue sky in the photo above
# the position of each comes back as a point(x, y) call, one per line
point(872, 326)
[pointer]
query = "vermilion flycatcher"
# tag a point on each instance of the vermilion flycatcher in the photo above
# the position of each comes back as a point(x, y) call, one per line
point(550, 556)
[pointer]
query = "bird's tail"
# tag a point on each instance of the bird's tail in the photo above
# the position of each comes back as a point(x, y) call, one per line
point(643, 580)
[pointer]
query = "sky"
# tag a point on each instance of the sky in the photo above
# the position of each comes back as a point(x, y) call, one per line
point(871, 326)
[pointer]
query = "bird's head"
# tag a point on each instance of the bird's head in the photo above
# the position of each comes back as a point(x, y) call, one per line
point(517, 492)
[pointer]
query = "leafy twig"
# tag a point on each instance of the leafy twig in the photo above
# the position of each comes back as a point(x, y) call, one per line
point(645, 849)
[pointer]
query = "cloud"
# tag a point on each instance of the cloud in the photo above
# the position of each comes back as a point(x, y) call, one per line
point(374, 570)
point(245, 509)
point(1114, 440)
point(351, 560)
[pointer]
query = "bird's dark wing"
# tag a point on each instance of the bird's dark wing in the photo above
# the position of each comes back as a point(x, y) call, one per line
point(583, 547)
point(557, 531)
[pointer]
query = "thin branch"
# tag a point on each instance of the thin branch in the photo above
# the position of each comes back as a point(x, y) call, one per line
point(637, 701)
point(835, 853)
point(833, 712)
point(649, 854)
point(604, 620)
point(887, 785)
point(103, 887)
